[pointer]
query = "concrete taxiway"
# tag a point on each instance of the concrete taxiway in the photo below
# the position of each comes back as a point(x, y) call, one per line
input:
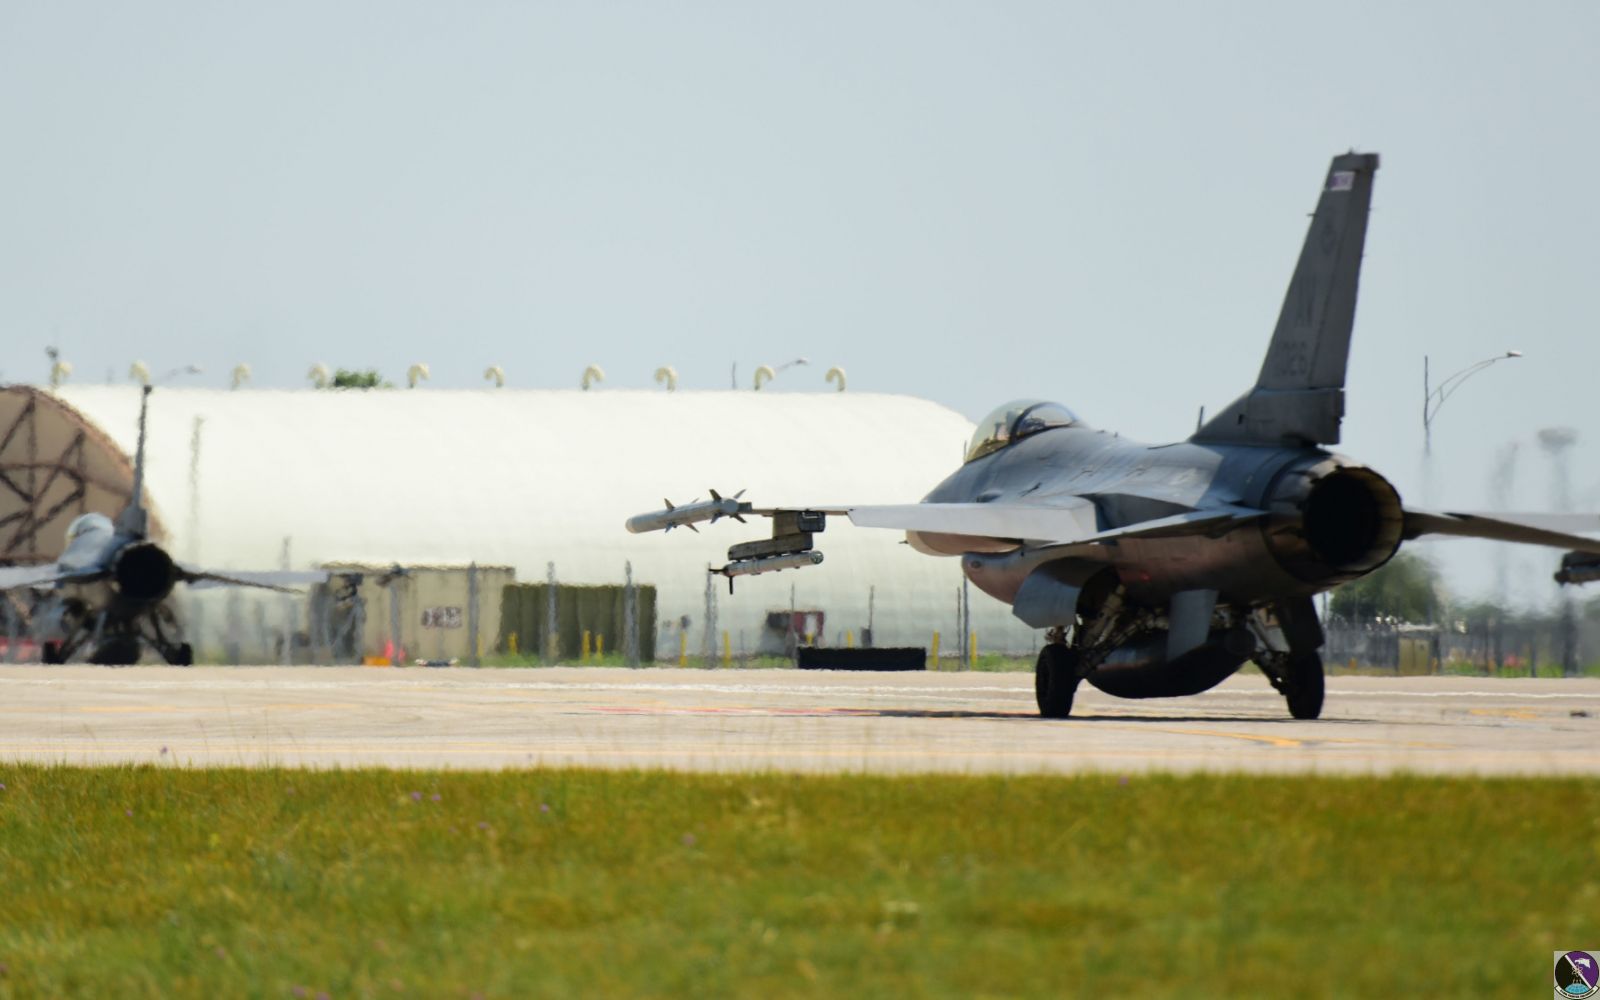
point(777, 719)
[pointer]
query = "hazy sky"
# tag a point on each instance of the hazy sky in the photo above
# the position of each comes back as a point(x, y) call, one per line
point(966, 201)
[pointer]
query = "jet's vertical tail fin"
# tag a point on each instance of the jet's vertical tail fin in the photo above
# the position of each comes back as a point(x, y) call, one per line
point(134, 519)
point(1299, 396)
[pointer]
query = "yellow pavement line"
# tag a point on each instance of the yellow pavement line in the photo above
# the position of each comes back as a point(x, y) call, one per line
point(1276, 741)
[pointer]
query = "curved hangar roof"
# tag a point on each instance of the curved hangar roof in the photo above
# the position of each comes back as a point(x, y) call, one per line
point(529, 477)
point(54, 466)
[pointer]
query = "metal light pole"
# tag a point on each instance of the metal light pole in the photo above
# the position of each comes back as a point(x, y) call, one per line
point(1433, 397)
point(1557, 442)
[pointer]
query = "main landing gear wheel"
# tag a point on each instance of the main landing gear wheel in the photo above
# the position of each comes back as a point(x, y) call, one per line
point(182, 655)
point(122, 651)
point(51, 654)
point(1303, 685)
point(1055, 680)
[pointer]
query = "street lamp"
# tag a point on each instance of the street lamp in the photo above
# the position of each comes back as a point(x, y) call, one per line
point(140, 372)
point(767, 373)
point(1433, 397)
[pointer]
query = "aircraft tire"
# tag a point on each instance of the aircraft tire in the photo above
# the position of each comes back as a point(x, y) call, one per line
point(1303, 687)
point(119, 652)
point(182, 655)
point(50, 654)
point(1055, 680)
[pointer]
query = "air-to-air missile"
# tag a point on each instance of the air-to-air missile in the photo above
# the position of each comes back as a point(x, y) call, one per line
point(1578, 567)
point(687, 515)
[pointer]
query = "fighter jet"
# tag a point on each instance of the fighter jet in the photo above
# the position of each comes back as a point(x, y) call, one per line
point(1159, 571)
point(109, 590)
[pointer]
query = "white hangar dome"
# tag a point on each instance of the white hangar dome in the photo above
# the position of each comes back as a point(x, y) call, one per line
point(529, 477)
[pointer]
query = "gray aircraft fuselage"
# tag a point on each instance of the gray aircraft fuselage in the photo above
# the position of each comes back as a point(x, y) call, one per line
point(1250, 564)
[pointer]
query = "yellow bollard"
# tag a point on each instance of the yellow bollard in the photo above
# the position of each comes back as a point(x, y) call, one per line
point(683, 649)
point(972, 649)
point(599, 647)
point(1352, 664)
point(811, 639)
point(727, 649)
point(849, 639)
point(511, 643)
point(586, 639)
point(934, 665)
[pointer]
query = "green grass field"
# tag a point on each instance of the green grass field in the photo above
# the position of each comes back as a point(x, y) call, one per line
point(146, 881)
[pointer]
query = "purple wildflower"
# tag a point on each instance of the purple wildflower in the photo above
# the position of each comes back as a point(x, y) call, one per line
point(544, 807)
point(300, 991)
point(436, 796)
point(416, 796)
point(482, 825)
point(688, 840)
point(163, 751)
point(1122, 780)
point(128, 811)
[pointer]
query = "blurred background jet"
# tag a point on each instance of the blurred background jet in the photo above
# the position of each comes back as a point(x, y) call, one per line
point(108, 592)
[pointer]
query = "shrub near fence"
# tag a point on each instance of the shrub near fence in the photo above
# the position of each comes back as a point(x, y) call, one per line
point(601, 611)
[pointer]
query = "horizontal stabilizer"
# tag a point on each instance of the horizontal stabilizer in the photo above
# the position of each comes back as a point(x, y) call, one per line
point(272, 579)
point(48, 575)
point(1555, 530)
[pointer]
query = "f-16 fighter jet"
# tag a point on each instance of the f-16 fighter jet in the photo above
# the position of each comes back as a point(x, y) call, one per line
point(109, 590)
point(1159, 571)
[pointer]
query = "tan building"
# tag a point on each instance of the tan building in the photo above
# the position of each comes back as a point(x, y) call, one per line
point(430, 609)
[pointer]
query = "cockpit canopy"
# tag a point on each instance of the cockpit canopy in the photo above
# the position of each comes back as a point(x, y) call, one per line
point(85, 523)
point(1016, 420)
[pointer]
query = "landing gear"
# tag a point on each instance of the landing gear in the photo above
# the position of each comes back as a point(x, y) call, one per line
point(1303, 686)
point(117, 651)
point(1055, 680)
point(161, 628)
point(51, 654)
point(1297, 673)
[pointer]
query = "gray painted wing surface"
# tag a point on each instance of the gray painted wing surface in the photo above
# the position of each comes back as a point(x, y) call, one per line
point(14, 577)
point(1064, 522)
point(1053, 525)
point(1554, 530)
point(273, 579)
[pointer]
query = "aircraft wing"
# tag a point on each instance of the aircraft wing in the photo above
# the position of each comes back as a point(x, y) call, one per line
point(1054, 525)
point(1555, 530)
point(1071, 521)
point(272, 579)
point(17, 577)
point(986, 520)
